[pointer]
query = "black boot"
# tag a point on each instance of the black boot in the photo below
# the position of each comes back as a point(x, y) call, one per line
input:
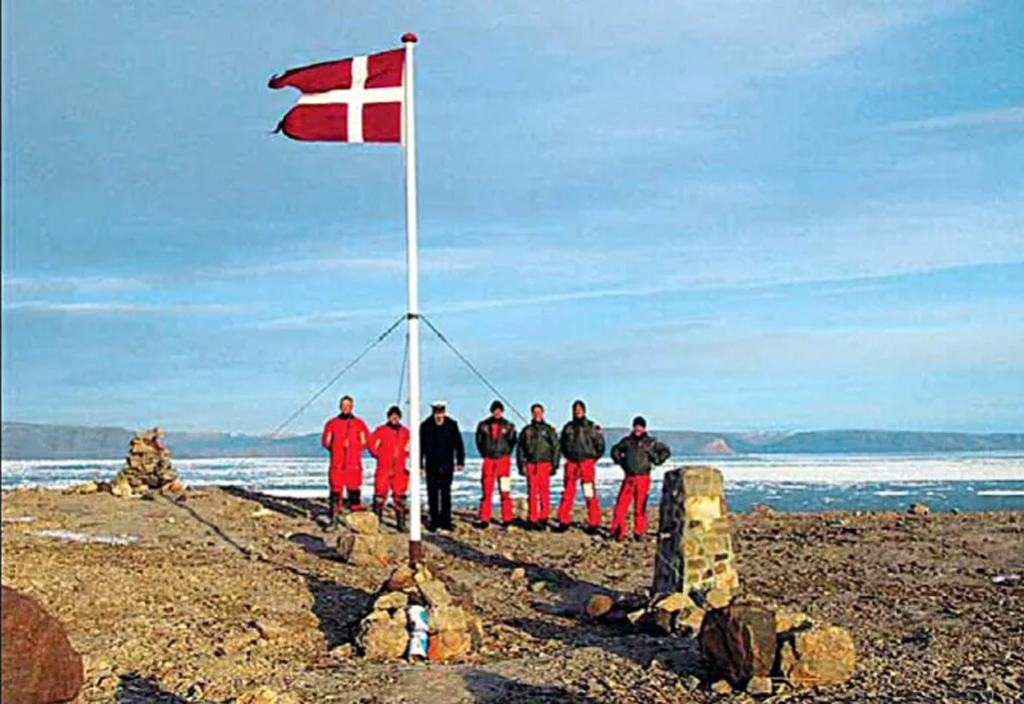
point(332, 519)
point(355, 499)
point(378, 507)
point(401, 514)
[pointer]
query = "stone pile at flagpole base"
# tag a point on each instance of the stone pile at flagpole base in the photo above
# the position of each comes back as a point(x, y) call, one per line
point(148, 467)
point(748, 644)
point(416, 615)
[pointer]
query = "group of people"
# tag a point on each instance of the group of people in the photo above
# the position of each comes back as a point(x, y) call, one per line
point(538, 450)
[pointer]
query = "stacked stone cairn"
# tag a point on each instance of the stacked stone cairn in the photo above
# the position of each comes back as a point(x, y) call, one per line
point(148, 467)
point(748, 645)
point(390, 631)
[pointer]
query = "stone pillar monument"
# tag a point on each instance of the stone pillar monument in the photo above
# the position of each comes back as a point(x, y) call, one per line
point(695, 546)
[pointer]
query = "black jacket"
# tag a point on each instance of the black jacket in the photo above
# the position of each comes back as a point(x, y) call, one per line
point(582, 439)
point(538, 443)
point(491, 448)
point(439, 443)
point(637, 454)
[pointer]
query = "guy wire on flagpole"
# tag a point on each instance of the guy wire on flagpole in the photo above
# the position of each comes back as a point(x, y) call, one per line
point(323, 389)
point(473, 369)
point(409, 140)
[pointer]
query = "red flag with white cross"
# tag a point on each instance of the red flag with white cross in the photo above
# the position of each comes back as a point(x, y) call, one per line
point(351, 100)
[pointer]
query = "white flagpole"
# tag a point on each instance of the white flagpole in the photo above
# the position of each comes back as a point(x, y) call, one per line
point(409, 125)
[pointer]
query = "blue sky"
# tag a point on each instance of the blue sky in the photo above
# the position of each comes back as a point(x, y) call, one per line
point(728, 215)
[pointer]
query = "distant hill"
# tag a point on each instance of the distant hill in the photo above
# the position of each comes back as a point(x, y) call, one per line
point(40, 442)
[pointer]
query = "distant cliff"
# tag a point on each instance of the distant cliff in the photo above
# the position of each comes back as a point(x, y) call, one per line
point(40, 442)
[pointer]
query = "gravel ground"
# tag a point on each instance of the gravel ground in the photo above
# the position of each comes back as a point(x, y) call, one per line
point(229, 590)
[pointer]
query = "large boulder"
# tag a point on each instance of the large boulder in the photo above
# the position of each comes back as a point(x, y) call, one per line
point(39, 664)
point(739, 642)
point(817, 655)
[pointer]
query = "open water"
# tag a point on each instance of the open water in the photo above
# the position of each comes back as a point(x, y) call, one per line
point(967, 482)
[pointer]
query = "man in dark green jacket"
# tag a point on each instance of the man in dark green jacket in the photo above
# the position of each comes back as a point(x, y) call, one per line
point(637, 454)
point(496, 439)
point(582, 445)
point(537, 456)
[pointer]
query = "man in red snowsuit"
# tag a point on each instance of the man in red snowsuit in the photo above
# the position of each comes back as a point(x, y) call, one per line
point(496, 439)
point(389, 443)
point(582, 445)
point(345, 436)
point(637, 454)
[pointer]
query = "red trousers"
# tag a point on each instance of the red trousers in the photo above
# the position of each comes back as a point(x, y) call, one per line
point(387, 479)
point(584, 473)
point(634, 491)
point(341, 478)
point(499, 472)
point(538, 482)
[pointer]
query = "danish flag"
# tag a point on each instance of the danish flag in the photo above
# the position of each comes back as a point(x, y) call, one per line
point(351, 100)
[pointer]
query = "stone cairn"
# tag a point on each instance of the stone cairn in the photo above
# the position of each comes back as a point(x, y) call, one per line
point(748, 645)
point(415, 615)
point(148, 467)
point(695, 546)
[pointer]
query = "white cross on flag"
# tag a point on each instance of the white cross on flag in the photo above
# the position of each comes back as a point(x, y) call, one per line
point(352, 100)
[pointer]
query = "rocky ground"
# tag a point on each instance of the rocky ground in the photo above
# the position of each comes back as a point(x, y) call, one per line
point(226, 591)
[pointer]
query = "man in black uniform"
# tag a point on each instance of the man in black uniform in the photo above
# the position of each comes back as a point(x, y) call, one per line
point(443, 454)
point(637, 454)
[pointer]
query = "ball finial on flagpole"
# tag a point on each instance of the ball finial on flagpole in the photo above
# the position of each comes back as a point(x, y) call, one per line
point(409, 38)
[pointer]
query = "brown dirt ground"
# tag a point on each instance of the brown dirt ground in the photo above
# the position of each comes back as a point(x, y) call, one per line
point(229, 590)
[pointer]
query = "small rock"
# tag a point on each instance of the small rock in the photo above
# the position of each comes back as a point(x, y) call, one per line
point(817, 656)
point(518, 574)
point(85, 488)
point(918, 509)
point(786, 620)
point(721, 687)
point(121, 488)
point(265, 695)
point(446, 646)
point(401, 578)
point(434, 593)
point(342, 651)
point(449, 618)
point(717, 599)
point(538, 587)
point(390, 601)
point(363, 549)
point(657, 622)
point(688, 621)
point(382, 639)
point(675, 602)
point(599, 605)
point(269, 630)
point(364, 522)
point(759, 685)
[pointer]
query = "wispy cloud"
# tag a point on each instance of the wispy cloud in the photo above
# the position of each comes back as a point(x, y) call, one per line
point(976, 118)
point(73, 284)
point(121, 308)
